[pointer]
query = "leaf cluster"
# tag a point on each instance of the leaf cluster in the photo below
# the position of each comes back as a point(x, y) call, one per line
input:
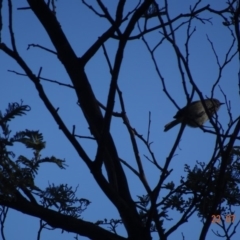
point(17, 176)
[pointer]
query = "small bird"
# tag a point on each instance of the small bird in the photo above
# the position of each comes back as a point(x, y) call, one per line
point(194, 114)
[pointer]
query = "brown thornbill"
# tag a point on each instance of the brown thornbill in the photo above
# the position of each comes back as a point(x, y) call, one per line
point(194, 114)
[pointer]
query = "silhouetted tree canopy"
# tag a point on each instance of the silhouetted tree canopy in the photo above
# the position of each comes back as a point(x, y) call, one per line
point(209, 190)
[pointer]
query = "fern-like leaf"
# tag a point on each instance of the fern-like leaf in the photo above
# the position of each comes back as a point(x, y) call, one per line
point(31, 139)
point(13, 110)
point(59, 162)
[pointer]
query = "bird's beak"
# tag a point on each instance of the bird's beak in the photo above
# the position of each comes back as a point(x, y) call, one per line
point(221, 104)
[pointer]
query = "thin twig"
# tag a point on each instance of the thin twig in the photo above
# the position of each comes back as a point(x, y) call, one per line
point(11, 26)
point(39, 46)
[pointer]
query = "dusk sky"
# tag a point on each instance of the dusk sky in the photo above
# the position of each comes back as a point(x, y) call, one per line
point(142, 92)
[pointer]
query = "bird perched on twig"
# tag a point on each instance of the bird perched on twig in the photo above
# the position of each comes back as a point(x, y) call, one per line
point(194, 114)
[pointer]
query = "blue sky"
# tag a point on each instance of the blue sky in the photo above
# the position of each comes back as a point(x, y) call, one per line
point(142, 91)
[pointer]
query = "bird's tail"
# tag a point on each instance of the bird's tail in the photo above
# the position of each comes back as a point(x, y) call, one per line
point(171, 125)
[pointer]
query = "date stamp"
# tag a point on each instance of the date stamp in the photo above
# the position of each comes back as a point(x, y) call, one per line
point(228, 218)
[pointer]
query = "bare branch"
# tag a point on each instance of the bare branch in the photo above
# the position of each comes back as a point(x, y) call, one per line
point(3, 216)
point(1, 24)
point(39, 46)
point(131, 132)
point(11, 25)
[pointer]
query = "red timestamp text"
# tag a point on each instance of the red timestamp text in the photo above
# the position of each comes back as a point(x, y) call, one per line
point(228, 218)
